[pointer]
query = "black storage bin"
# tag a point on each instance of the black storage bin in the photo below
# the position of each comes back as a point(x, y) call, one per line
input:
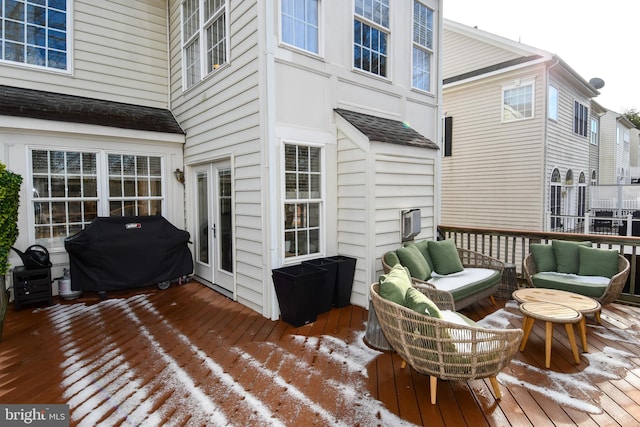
point(298, 288)
point(328, 290)
point(344, 280)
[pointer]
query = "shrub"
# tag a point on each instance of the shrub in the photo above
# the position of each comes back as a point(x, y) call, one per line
point(9, 202)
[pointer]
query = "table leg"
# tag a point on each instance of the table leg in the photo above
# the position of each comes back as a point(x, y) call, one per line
point(582, 326)
point(548, 339)
point(527, 325)
point(572, 341)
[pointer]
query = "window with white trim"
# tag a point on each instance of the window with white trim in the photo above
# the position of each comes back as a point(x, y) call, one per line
point(517, 101)
point(555, 199)
point(371, 36)
point(303, 200)
point(553, 103)
point(35, 32)
point(580, 118)
point(204, 38)
point(299, 24)
point(594, 132)
point(422, 46)
point(67, 188)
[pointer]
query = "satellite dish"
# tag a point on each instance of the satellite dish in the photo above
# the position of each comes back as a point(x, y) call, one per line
point(597, 82)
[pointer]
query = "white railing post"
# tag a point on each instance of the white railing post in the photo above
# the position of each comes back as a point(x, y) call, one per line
point(587, 223)
point(629, 223)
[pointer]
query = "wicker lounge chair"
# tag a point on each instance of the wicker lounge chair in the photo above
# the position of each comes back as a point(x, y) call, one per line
point(611, 293)
point(442, 349)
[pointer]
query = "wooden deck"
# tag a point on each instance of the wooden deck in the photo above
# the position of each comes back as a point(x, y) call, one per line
point(189, 356)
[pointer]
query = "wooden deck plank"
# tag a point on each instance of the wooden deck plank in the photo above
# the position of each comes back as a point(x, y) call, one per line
point(139, 354)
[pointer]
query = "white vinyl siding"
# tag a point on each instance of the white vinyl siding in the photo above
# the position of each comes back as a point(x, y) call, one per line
point(119, 52)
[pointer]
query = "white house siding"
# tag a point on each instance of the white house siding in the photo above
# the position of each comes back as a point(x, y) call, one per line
point(494, 176)
point(221, 116)
point(376, 181)
point(119, 53)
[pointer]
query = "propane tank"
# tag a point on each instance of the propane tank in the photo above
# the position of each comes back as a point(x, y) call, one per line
point(64, 286)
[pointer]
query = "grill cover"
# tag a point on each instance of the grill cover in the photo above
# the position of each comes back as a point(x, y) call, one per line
point(127, 252)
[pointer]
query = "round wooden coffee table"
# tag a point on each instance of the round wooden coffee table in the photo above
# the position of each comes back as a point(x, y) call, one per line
point(581, 303)
point(550, 313)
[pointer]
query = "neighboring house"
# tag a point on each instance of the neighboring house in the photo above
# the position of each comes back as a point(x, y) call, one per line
point(517, 138)
point(304, 128)
point(615, 149)
point(634, 154)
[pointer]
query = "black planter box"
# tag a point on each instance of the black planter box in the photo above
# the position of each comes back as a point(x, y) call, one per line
point(298, 288)
point(325, 298)
point(344, 280)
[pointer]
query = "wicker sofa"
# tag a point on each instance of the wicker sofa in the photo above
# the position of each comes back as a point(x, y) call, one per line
point(444, 348)
point(479, 276)
point(597, 273)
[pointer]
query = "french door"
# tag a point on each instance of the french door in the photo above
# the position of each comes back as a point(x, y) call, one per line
point(213, 240)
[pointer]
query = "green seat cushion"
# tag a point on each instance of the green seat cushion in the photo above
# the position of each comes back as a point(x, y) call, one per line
point(566, 253)
point(420, 303)
point(467, 282)
point(444, 255)
point(591, 286)
point(597, 262)
point(543, 257)
point(423, 247)
point(391, 258)
point(394, 285)
point(411, 258)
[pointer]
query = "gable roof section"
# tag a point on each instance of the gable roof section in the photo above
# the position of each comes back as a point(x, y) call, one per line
point(36, 104)
point(379, 129)
point(492, 68)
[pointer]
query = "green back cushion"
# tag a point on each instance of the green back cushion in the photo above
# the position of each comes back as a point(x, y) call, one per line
point(597, 262)
point(394, 285)
point(391, 258)
point(566, 253)
point(543, 257)
point(423, 247)
point(420, 303)
point(411, 258)
point(444, 255)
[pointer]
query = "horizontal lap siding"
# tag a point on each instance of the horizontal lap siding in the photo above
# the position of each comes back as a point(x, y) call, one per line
point(352, 221)
point(221, 116)
point(494, 176)
point(119, 54)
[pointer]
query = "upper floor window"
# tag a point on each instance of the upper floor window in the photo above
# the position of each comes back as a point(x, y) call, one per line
point(580, 118)
point(35, 32)
point(517, 101)
point(300, 24)
point(553, 102)
point(204, 38)
point(422, 46)
point(370, 36)
point(594, 132)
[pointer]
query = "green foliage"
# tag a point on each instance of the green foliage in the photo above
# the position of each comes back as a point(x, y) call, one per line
point(9, 202)
point(634, 117)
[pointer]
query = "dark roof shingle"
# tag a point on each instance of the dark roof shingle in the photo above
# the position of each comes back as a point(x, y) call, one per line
point(386, 130)
point(20, 102)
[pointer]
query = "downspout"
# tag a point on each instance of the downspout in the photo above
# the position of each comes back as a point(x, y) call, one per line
point(545, 186)
point(271, 151)
point(439, 123)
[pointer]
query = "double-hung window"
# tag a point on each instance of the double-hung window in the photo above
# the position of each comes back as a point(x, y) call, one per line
point(70, 189)
point(594, 132)
point(580, 118)
point(517, 101)
point(299, 21)
point(422, 46)
point(303, 200)
point(204, 38)
point(35, 32)
point(371, 36)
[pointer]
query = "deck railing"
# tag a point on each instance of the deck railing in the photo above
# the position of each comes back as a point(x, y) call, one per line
point(512, 246)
